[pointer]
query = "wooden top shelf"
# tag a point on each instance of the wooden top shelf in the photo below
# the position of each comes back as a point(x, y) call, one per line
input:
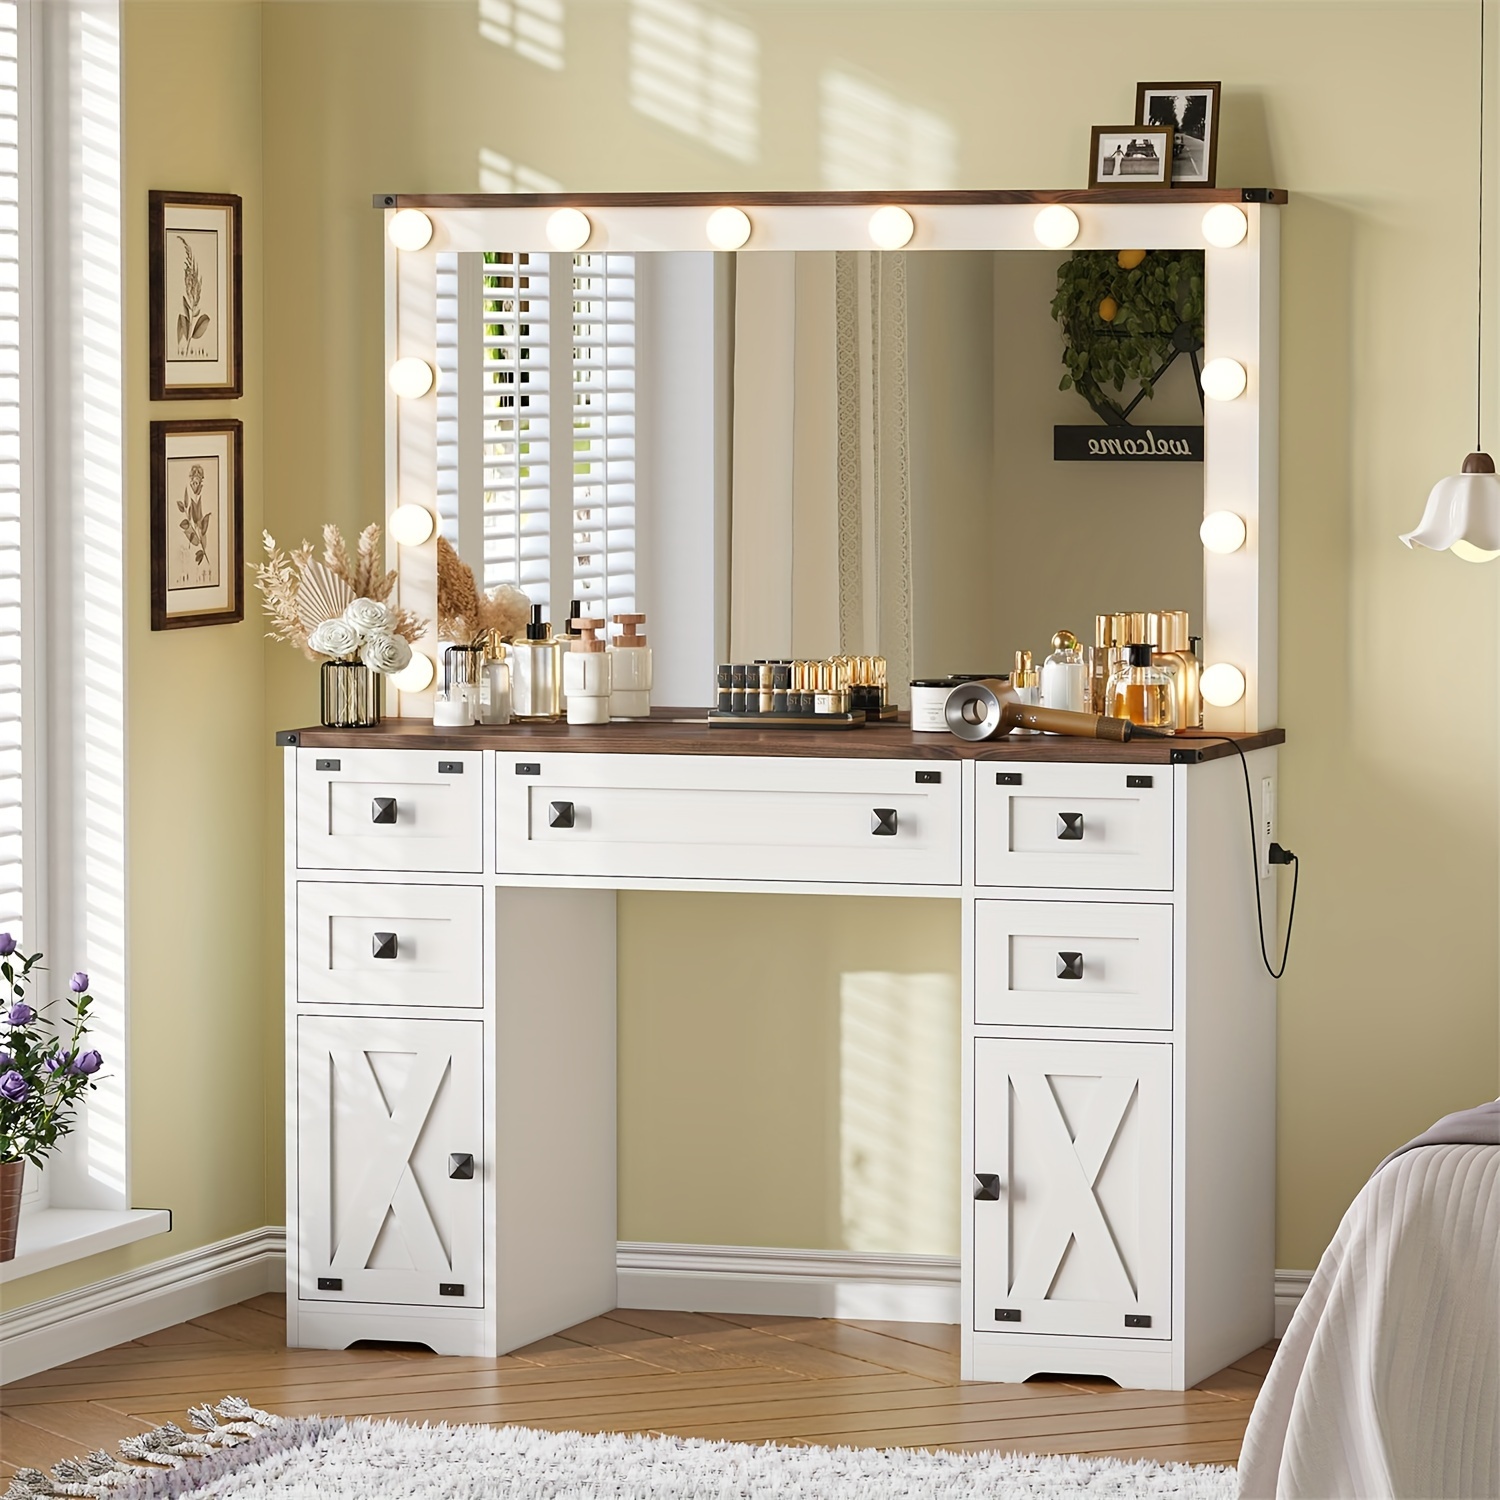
point(980, 196)
point(680, 731)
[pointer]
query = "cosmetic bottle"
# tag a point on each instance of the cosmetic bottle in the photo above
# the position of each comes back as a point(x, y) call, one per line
point(630, 670)
point(536, 673)
point(1167, 631)
point(494, 682)
point(452, 710)
point(723, 692)
point(1142, 693)
point(832, 695)
point(929, 699)
point(1025, 682)
point(1065, 676)
point(570, 626)
point(781, 684)
point(586, 676)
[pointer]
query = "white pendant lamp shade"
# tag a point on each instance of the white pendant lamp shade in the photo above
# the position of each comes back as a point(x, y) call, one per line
point(1463, 513)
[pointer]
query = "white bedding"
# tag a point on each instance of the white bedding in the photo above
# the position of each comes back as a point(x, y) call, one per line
point(1388, 1380)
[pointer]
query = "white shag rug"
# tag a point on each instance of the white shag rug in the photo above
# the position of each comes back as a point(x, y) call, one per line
point(244, 1454)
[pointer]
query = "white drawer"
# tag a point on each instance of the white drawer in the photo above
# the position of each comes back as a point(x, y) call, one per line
point(387, 944)
point(390, 810)
point(1077, 827)
point(709, 817)
point(1072, 963)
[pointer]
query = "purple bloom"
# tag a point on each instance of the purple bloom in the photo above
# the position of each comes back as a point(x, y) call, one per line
point(5, 1061)
point(13, 1086)
point(7, 945)
point(80, 982)
point(21, 1014)
point(57, 1062)
point(88, 1062)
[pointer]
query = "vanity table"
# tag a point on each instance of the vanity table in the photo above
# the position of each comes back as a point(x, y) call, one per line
point(450, 1044)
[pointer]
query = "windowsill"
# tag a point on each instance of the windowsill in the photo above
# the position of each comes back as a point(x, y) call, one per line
point(54, 1236)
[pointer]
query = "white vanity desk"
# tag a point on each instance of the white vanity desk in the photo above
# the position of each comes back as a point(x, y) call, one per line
point(451, 1166)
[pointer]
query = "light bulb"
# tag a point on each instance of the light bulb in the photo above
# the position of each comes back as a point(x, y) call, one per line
point(1222, 531)
point(409, 229)
point(410, 525)
point(416, 676)
point(1222, 685)
point(728, 228)
point(1223, 379)
point(1470, 553)
point(1056, 226)
point(568, 229)
point(411, 378)
point(1224, 226)
point(891, 227)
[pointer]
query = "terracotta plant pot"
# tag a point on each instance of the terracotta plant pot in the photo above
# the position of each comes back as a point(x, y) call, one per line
point(11, 1173)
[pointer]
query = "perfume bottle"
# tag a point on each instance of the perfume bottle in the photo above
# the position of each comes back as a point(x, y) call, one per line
point(494, 682)
point(536, 679)
point(1167, 630)
point(1065, 676)
point(586, 674)
point(1025, 682)
point(630, 670)
point(1143, 693)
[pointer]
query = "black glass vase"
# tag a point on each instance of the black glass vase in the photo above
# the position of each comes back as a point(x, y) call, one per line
point(351, 695)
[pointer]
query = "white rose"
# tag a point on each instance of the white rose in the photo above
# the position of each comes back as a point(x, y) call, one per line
point(368, 617)
point(385, 653)
point(334, 638)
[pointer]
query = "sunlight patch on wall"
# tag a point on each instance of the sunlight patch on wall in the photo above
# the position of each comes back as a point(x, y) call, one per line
point(697, 71)
point(499, 174)
point(872, 139)
point(898, 1112)
point(532, 28)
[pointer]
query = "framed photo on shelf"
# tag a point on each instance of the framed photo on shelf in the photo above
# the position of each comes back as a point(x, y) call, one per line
point(196, 313)
point(1128, 156)
point(197, 523)
point(1192, 112)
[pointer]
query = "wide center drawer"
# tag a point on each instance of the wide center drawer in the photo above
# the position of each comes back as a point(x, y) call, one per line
point(1073, 963)
point(700, 817)
point(1079, 827)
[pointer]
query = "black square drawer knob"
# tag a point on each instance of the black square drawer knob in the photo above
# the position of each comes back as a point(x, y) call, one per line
point(461, 1166)
point(1070, 966)
point(383, 810)
point(883, 822)
point(1070, 826)
point(986, 1187)
point(560, 815)
point(383, 945)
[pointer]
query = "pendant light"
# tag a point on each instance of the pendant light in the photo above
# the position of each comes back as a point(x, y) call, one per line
point(1463, 511)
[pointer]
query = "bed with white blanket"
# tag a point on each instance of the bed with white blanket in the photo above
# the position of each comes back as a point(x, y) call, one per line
point(1388, 1380)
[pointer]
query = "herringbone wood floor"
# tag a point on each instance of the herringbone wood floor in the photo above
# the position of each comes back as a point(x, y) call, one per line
point(753, 1379)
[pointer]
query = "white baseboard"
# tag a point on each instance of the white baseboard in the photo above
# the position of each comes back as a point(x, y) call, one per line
point(1290, 1285)
point(43, 1334)
point(792, 1283)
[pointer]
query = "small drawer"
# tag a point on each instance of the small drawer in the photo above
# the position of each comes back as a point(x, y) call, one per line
point(390, 810)
point(711, 817)
point(387, 944)
point(1072, 963)
point(1077, 827)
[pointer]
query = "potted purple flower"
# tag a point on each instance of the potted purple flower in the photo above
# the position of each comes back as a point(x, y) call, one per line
point(44, 1067)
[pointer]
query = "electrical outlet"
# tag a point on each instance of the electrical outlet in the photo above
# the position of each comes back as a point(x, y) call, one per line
point(1267, 824)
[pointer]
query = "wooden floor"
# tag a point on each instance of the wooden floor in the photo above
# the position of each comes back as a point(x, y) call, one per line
point(754, 1379)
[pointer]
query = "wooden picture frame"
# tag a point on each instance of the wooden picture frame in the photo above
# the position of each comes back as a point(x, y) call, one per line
point(1116, 162)
point(197, 523)
point(197, 315)
point(1192, 110)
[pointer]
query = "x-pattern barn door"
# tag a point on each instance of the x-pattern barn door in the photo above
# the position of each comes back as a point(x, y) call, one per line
point(390, 1184)
point(1072, 1193)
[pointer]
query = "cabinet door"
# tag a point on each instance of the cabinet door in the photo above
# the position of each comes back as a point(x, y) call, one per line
point(1073, 1188)
point(390, 1195)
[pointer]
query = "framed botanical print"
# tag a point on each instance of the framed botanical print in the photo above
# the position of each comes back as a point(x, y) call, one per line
point(197, 523)
point(1192, 112)
point(196, 315)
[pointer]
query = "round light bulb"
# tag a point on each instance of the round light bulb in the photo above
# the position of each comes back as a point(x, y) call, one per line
point(568, 229)
point(1224, 226)
point(1222, 531)
point(891, 227)
point(1223, 379)
point(1470, 553)
point(411, 378)
point(409, 229)
point(728, 228)
point(416, 676)
point(410, 525)
point(1222, 685)
point(1056, 226)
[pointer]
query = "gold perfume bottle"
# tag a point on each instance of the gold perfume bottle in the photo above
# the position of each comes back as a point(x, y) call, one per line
point(1167, 631)
point(1142, 692)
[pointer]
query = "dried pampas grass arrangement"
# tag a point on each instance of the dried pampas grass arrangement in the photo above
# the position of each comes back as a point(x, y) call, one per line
point(464, 613)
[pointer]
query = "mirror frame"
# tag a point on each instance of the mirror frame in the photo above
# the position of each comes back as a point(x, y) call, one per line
point(1241, 322)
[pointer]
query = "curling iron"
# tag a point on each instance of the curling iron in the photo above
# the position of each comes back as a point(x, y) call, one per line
point(989, 709)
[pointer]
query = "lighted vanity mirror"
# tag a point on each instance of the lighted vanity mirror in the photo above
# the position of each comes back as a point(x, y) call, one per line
point(811, 445)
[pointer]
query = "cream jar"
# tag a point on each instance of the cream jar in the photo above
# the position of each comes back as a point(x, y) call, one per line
point(929, 699)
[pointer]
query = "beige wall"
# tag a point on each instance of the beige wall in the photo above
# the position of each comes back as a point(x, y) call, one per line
point(1389, 1010)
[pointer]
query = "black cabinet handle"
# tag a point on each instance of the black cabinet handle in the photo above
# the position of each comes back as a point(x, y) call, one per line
point(383, 945)
point(1070, 826)
point(450, 1289)
point(461, 1166)
point(883, 822)
point(330, 1283)
point(560, 815)
point(383, 810)
point(1070, 966)
point(986, 1187)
